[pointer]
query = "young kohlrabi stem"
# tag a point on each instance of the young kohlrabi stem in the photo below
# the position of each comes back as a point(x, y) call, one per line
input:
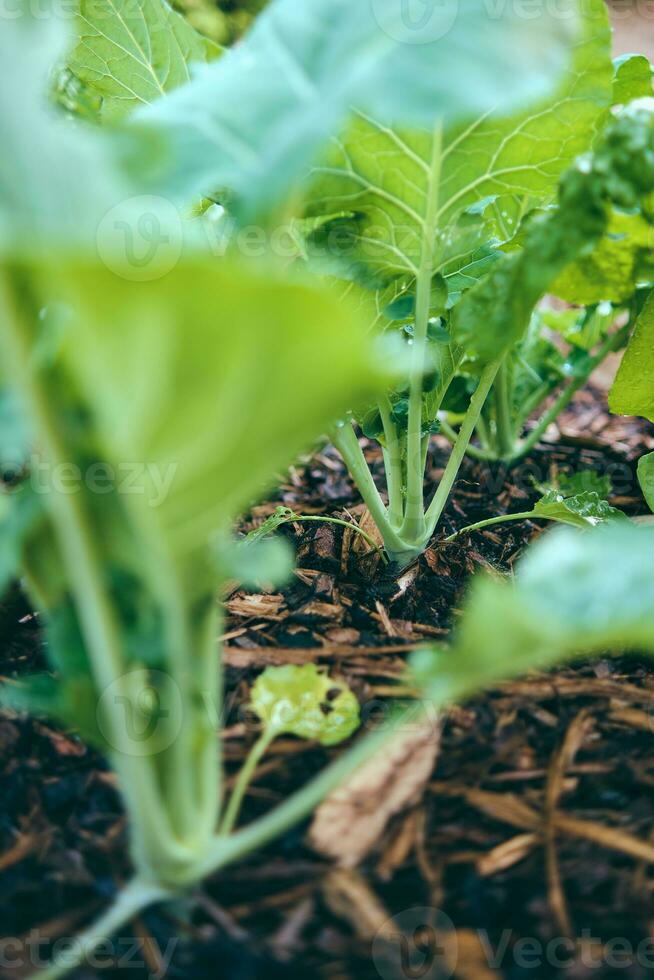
point(413, 526)
point(132, 899)
point(504, 431)
point(158, 852)
point(489, 522)
point(392, 463)
point(612, 343)
point(244, 778)
point(400, 549)
point(435, 509)
point(344, 438)
point(473, 451)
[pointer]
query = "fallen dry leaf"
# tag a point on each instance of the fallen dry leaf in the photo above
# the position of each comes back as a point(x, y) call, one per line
point(349, 823)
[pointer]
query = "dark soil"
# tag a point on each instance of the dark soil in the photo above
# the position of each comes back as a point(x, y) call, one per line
point(532, 844)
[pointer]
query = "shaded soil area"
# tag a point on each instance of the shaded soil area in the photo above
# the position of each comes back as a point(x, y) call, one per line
point(527, 853)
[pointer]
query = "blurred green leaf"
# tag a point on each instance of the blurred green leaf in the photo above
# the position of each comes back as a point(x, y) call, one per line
point(253, 121)
point(633, 78)
point(573, 594)
point(622, 259)
point(21, 512)
point(583, 329)
point(254, 563)
point(646, 478)
point(633, 390)
point(71, 702)
point(306, 702)
point(585, 481)
point(57, 181)
point(241, 349)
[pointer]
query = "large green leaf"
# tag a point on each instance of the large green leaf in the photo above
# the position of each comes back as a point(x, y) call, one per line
point(406, 190)
point(254, 120)
point(208, 377)
point(633, 389)
point(129, 54)
point(574, 593)
point(56, 180)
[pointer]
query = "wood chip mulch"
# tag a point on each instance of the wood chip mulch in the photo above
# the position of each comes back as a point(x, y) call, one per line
point(530, 850)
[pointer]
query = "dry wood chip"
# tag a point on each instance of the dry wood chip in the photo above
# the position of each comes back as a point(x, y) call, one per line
point(563, 758)
point(324, 542)
point(384, 619)
point(351, 898)
point(349, 823)
point(469, 956)
point(512, 810)
point(343, 636)
point(634, 718)
point(360, 546)
point(400, 846)
point(262, 606)
point(321, 610)
point(507, 854)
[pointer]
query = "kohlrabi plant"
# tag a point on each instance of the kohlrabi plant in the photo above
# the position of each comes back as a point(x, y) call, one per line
point(151, 389)
point(483, 336)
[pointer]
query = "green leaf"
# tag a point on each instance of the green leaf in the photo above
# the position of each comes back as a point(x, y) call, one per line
point(633, 390)
point(621, 260)
point(16, 437)
point(128, 54)
point(496, 313)
point(254, 562)
point(242, 350)
point(306, 702)
point(406, 187)
point(583, 509)
point(633, 78)
point(646, 478)
point(281, 515)
point(583, 329)
point(71, 702)
point(253, 121)
point(21, 512)
point(57, 180)
point(573, 594)
point(585, 481)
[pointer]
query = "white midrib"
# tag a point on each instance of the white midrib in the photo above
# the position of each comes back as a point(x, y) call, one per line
point(413, 526)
